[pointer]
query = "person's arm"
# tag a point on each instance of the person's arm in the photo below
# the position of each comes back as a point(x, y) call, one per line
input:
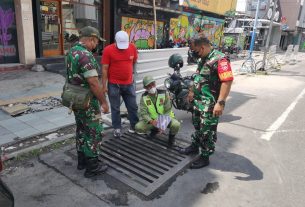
point(167, 104)
point(223, 94)
point(226, 77)
point(96, 89)
point(105, 78)
point(105, 62)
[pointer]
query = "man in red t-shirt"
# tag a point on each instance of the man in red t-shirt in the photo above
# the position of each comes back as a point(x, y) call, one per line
point(118, 60)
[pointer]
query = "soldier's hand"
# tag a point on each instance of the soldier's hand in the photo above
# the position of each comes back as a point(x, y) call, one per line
point(154, 123)
point(104, 90)
point(190, 97)
point(105, 108)
point(218, 109)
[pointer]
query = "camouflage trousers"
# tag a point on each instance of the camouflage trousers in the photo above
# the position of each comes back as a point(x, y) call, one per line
point(89, 130)
point(205, 134)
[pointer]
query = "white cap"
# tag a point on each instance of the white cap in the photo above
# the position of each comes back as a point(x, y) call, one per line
point(122, 40)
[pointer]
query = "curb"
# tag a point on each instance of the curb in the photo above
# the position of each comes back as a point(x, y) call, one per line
point(39, 146)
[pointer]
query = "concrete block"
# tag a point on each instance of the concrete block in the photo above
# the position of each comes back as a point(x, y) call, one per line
point(38, 68)
point(15, 109)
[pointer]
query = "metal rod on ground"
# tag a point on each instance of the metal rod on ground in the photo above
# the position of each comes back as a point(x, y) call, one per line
point(268, 37)
point(155, 23)
point(254, 30)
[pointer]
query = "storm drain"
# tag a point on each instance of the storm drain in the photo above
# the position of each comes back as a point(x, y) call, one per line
point(143, 164)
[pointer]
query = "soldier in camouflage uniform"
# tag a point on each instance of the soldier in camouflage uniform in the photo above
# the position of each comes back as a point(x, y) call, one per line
point(212, 85)
point(82, 70)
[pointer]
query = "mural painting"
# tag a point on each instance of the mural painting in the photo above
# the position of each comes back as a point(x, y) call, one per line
point(188, 25)
point(141, 32)
point(8, 33)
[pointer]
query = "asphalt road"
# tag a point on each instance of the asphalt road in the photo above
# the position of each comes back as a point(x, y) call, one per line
point(259, 160)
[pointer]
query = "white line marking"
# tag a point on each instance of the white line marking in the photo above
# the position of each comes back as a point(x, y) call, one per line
point(272, 129)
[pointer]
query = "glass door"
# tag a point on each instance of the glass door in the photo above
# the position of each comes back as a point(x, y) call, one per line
point(50, 11)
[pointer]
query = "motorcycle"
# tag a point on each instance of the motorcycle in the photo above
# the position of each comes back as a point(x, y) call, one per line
point(179, 86)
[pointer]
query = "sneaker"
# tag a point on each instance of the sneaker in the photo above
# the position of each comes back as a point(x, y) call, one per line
point(117, 133)
point(131, 130)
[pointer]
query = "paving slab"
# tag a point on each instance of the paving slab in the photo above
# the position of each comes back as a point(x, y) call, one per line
point(4, 115)
point(13, 124)
point(29, 132)
point(7, 138)
point(4, 131)
point(64, 122)
point(46, 127)
point(27, 117)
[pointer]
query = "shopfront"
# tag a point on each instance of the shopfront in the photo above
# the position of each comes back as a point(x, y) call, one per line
point(8, 33)
point(58, 23)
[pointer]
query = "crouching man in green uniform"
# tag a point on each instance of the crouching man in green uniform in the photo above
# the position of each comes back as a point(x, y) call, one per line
point(82, 71)
point(155, 102)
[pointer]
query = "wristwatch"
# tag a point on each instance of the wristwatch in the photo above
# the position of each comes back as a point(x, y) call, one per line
point(222, 103)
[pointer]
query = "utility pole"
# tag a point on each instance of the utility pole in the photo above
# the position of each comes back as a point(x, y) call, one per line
point(268, 37)
point(254, 30)
point(155, 23)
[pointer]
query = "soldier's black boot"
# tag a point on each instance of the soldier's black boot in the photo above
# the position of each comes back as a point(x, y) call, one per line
point(81, 161)
point(171, 140)
point(192, 149)
point(94, 167)
point(200, 163)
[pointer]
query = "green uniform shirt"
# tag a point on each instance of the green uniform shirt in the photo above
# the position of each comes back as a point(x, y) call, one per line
point(80, 65)
point(207, 83)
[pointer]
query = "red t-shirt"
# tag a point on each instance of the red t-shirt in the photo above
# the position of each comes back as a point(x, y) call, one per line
point(120, 63)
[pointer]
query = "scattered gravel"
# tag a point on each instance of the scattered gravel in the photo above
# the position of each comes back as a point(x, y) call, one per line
point(43, 104)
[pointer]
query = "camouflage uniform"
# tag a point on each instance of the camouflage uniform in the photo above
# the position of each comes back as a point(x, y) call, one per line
point(206, 91)
point(81, 65)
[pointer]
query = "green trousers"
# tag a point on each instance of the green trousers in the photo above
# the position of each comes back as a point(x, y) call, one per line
point(144, 127)
point(89, 130)
point(205, 135)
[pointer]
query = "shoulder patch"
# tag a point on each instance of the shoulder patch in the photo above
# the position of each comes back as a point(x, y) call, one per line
point(224, 70)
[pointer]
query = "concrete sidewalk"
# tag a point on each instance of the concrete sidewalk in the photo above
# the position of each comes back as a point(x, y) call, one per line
point(21, 86)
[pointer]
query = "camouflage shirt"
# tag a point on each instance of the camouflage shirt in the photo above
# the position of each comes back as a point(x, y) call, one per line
point(80, 65)
point(207, 83)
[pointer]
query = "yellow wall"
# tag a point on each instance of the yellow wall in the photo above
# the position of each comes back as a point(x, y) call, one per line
point(214, 6)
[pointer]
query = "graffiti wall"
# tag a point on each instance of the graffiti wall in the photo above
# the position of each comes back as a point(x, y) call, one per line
point(189, 25)
point(142, 33)
point(214, 6)
point(8, 33)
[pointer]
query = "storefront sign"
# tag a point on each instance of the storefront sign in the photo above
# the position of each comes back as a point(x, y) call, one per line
point(214, 6)
point(8, 33)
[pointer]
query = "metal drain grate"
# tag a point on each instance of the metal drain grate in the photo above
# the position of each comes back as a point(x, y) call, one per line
point(141, 163)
